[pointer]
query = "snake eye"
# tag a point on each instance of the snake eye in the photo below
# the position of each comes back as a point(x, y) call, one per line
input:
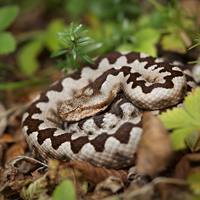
point(78, 110)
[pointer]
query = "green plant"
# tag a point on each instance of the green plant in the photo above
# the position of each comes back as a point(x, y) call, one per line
point(195, 45)
point(174, 23)
point(77, 46)
point(185, 122)
point(38, 190)
point(27, 55)
point(64, 191)
point(194, 181)
point(7, 16)
point(112, 10)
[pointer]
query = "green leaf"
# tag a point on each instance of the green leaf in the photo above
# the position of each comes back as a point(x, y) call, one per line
point(7, 16)
point(64, 191)
point(58, 53)
point(77, 28)
point(71, 27)
point(67, 41)
point(184, 121)
point(194, 180)
point(34, 190)
point(86, 42)
point(126, 47)
point(174, 43)
point(20, 84)
point(178, 137)
point(198, 42)
point(7, 43)
point(27, 57)
point(74, 53)
point(92, 47)
point(145, 41)
point(147, 35)
point(193, 140)
point(51, 40)
point(83, 39)
point(60, 34)
point(82, 32)
point(85, 57)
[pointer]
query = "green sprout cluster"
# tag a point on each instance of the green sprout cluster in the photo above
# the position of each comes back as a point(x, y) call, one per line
point(76, 41)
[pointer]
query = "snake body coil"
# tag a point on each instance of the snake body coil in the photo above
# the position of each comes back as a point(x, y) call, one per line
point(95, 114)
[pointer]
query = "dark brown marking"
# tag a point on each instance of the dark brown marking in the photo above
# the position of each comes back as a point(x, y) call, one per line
point(132, 56)
point(189, 78)
point(81, 123)
point(112, 57)
point(123, 133)
point(99, 142)
point(56, 141)
point(33, 124)
point(77, 144)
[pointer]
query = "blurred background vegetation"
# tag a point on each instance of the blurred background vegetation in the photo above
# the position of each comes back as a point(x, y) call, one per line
point(28, 35)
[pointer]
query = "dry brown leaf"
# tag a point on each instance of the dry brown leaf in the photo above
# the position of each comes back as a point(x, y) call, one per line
point(6, 138)
point(189, 164)
point(14, 128)
point(107, 187)
point(17, 149)
point(36, 175)
point(10, 185)
point(155, 148)
point(174, 191)
point(95, 175)
point(156, 190)
point(112, 183)
point(136, 180)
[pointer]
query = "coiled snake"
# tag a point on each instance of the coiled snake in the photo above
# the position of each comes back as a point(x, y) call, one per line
point(95, 114)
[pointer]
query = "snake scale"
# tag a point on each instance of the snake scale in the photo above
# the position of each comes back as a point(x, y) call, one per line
point(95, 114)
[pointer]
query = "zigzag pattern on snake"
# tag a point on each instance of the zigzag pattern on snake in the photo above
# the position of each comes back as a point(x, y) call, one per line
point(95, 114)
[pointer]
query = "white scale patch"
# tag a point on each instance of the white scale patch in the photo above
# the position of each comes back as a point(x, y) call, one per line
point(124, 52)
point(25, 115)
point(159, 60)
point(121, 61)
point(137, 66)
point(144, 55)
point(110, 120)
point(128, 110)
point(88, 91)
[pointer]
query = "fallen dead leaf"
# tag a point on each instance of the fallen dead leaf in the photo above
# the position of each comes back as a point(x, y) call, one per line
point(137, 179)
point(174, 190)
point(17, 149)
point(155, 147)
point(108, 187)
point(189, 164)
point(10, 184)
point(154, 190)
point(95, 175)
point(5, 139)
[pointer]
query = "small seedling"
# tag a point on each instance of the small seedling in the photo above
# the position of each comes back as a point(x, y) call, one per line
point(77, 45)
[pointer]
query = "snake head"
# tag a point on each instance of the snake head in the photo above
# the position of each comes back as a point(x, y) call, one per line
point(70, 110)
point(78, 108)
